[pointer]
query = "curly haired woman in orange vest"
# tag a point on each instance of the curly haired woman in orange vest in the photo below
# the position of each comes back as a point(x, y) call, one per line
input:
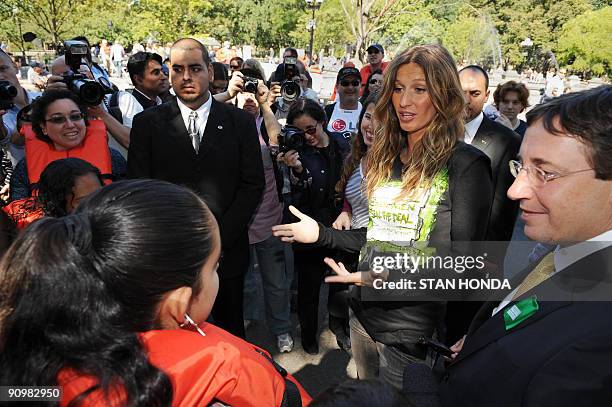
point(60, 129)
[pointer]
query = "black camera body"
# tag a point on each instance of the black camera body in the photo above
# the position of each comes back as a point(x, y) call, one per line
point(91, 92)
point(290, 88)
point(290, 138)
point(7, 94)
point(250, 84)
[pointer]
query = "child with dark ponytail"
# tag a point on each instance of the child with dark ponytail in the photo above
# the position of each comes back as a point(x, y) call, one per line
point(94, 302)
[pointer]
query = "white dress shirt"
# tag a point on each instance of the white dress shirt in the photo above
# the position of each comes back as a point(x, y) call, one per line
point(471, 128)
point(568, 255)
point(203, 112)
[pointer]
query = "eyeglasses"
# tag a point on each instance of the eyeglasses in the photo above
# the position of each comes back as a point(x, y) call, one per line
point(74, 117)
point(352, 83)
point(375, 81)
point(537, 176)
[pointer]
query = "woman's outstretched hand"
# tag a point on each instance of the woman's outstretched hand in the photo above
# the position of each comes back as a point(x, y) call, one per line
point(304, 231)
point(343, 275)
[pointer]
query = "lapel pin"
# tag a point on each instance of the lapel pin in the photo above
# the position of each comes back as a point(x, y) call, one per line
point(220, 127)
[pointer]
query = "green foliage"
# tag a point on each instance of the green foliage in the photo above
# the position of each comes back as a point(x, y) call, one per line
point(585, 44)
point(473, 30)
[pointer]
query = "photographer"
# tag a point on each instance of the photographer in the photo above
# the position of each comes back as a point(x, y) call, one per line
point(120, 133)
point(266, 251)
point(8, 77)
point(315, 170)
point(150, 86)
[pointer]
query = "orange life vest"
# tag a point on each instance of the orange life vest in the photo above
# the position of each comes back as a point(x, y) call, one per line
point(202, 369)
point(24, 211)
point(94, 150)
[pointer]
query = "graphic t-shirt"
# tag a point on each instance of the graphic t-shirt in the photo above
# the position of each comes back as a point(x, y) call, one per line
point(401, 225)
point(342, 125)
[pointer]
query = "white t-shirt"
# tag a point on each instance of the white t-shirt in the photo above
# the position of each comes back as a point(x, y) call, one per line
point(343, 120)
point(117, 52)
point(130, 107)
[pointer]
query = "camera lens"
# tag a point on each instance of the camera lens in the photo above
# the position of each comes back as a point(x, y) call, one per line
point(7, 90)
point(90, 92)
point(290, 91)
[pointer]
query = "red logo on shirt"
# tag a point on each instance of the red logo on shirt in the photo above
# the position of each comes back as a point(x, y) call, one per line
point(338, 125)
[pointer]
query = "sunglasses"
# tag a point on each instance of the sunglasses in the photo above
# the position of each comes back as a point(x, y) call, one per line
point(74, 117)
point(375, 81)
point(374, 51)
point(311, 131)
point(352, 83)
point(235, 66)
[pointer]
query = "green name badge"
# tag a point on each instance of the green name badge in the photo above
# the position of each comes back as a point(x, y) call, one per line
point(519, 312)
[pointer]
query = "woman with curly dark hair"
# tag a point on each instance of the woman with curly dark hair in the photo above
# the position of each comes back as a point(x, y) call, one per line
point(63, 184)
point(60, 129)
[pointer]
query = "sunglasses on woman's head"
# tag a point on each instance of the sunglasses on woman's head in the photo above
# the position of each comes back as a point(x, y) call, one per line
point(74, 117)
point(351, 83)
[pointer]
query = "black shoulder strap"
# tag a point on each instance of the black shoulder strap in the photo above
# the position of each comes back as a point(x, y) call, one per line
point(329, 110)
point(292, 396)
point(113, 107)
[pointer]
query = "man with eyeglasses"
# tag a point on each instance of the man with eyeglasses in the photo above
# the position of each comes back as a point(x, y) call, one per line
point(548, 340)
point(343, 115)
point(376, 54)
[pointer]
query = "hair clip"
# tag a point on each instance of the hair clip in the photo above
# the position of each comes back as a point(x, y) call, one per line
point(189, 323)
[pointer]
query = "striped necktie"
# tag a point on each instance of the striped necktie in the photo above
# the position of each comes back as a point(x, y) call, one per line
point(193, 131)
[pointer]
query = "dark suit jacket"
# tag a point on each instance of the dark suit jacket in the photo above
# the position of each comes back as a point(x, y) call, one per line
point(227, 173)
point(501, 145)
point(560, 356)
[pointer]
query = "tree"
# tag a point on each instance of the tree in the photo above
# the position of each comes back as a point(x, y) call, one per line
point(584, 44)
point(366, 18)
point(50, 16)
point(331, 32)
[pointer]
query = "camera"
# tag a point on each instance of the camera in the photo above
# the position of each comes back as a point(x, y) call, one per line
point(290, 138)
point(250, 84)
point(7, 94)
point(90, 91)
point(290, 88)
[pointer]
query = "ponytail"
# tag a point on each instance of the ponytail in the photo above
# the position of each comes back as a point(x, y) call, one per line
point(56, 313)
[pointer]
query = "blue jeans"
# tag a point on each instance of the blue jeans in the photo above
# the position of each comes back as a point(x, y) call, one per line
point(268, 257)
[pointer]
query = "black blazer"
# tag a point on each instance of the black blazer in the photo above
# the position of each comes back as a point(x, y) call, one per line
point(560, 356)
point(501, 145)
point(227, 173)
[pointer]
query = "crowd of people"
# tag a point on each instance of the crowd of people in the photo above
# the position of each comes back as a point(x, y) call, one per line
point(134, 228)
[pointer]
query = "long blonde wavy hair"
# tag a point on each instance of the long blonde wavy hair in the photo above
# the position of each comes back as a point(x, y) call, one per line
point(429, 155)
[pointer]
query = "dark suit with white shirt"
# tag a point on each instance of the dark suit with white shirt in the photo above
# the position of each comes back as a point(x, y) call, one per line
point(561, 355)
point(227, 173)
point(501, 145)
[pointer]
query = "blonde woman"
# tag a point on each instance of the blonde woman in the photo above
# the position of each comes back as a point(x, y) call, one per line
point(424, 187)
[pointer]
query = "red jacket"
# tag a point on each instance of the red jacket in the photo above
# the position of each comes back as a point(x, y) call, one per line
point(202, 369)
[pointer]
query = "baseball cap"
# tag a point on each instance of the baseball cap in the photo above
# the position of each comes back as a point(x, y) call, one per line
point(346, 72)
point(376, 46)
